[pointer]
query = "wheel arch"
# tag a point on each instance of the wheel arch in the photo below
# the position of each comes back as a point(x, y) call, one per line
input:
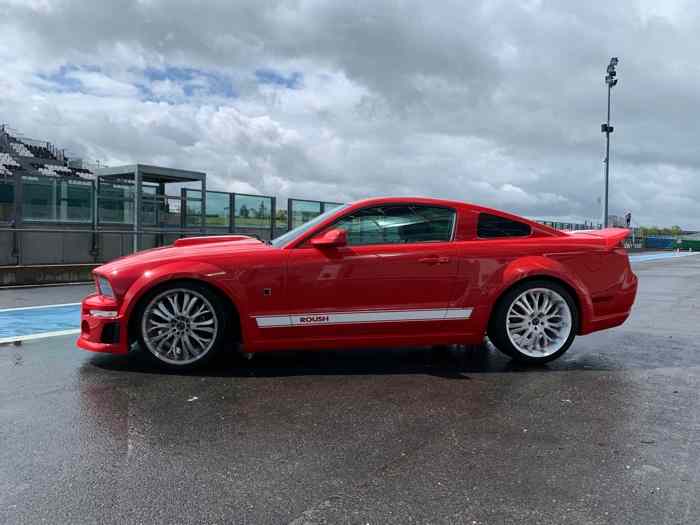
point(542, 268)
point(540, 278)
point(137, 298)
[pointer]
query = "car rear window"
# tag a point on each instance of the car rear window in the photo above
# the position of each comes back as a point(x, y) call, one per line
point(492, 226)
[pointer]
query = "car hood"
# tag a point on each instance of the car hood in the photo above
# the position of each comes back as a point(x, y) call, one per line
point(192, 248)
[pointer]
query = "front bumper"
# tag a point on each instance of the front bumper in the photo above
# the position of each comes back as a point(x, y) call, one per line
point(102, 327)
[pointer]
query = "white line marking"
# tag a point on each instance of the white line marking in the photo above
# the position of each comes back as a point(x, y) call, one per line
point(20, 286)
point(4, 310)
point(660, 256)
point(371, 316)
point(15, 338)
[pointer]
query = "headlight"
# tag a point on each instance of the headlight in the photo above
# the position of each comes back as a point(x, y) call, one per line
point(105, 287)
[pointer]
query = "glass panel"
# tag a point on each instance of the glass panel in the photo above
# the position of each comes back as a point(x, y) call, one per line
point(115, 202)
point(304, 211)
point(170, 214)
point(116, 211)
point(149, 205)
point(116, 190)
point(398, 224)
point(7, 200)
point(49, 199)
point(281, 221)
point(193, 211)
point(331, 205)
point(252, 211)
point(217, 209)
point(76, 201)
point(38, 199)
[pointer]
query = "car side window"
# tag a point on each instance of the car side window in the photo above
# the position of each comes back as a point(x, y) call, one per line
point(492, 226)
point(397, 224)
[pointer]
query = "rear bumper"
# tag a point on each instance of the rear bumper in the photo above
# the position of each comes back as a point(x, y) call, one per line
point(99, 333)
point(614, 308)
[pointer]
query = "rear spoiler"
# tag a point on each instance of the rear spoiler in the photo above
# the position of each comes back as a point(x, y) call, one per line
point(608, 237)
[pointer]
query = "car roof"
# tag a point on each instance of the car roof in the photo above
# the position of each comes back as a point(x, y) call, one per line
point(375, 201)
point(429, 201)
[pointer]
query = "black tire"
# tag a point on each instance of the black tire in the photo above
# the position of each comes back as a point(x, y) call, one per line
point(498, 327)
point(220, 317)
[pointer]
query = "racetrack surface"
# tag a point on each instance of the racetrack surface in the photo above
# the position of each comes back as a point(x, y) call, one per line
point(607, 434)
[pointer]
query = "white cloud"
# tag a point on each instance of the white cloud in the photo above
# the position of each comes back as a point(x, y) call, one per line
point(103, 85)
point(494, 102)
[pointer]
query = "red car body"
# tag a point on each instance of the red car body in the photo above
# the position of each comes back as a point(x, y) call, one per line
point(304, 296)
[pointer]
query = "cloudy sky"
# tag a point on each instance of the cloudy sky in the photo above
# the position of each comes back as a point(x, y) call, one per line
point(494, 102)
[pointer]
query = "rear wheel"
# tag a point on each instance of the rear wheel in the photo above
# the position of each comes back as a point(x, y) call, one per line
point(534, 322)
point(182, 326)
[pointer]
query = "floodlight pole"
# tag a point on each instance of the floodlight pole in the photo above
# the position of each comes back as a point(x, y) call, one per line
point(606, 128)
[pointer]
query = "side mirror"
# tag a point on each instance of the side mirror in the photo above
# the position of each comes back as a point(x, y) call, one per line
point(333, 238)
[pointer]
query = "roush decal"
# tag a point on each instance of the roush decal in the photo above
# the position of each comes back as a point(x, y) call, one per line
point(314, 319)
point(371, 316)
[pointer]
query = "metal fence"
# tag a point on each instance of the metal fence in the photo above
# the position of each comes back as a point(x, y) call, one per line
point(63, 221)
point(572, 226)
point(37, 201)
point(45, 246)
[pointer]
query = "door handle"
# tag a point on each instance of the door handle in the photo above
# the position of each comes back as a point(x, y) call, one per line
point(434, 260)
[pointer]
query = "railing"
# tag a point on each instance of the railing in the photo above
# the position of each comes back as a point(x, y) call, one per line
point(572, 225)
point(43, 246)
point(32, 142)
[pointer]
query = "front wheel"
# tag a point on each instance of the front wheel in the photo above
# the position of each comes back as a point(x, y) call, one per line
point(182, 326)
point(534, 322)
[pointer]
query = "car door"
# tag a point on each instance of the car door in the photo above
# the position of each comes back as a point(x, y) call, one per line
point(396, 274)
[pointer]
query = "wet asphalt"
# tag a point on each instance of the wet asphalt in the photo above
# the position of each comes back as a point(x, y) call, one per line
point(610, 433)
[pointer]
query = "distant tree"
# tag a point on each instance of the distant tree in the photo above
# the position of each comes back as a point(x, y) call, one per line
point(244, 211)
point(648, 231)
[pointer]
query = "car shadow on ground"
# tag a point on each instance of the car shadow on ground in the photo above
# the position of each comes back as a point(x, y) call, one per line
point(451, 362)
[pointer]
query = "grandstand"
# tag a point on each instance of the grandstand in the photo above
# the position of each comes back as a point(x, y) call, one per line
point(23, 156)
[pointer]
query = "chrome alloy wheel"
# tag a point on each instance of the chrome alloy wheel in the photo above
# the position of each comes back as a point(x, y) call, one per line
point(539, 322)
point(179, 326)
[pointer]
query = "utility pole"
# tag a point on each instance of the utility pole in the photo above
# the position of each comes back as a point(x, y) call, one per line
point(606, 128)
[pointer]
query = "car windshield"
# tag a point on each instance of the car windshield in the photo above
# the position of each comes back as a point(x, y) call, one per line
point(297, 232)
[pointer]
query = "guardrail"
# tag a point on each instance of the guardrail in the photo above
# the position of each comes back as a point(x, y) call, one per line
point(42, 246)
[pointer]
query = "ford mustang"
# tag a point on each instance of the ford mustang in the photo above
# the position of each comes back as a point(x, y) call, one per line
point(385, 272)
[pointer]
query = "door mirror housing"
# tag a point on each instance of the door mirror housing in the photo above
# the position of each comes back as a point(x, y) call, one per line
point(333, 238)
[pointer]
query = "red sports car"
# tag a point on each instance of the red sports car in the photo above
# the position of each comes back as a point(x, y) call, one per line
point(378, 272)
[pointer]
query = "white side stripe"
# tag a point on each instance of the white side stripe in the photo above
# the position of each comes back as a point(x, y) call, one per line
point(458, 313)
point(272, 321)
point(374, 316)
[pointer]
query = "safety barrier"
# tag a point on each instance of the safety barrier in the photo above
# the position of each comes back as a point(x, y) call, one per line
point(660, 243)
point(45, 246)
point(691, 245)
